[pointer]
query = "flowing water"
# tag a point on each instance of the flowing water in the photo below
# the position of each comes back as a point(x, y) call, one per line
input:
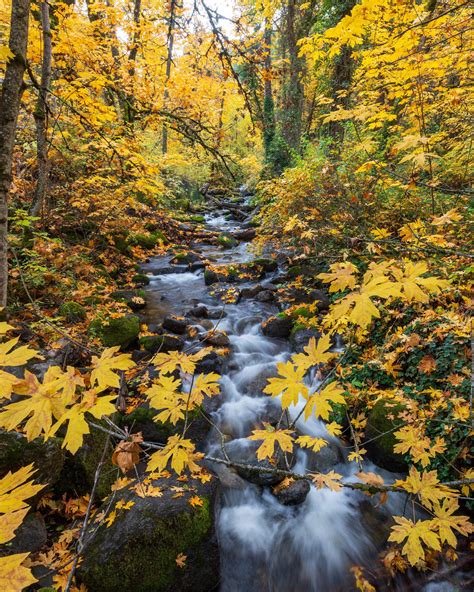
point(266, 546)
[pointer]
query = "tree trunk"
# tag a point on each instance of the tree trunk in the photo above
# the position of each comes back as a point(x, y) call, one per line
point(169, 63)
point(268, 101)
point(293, 93)
point(12, 89)
point(41, 116)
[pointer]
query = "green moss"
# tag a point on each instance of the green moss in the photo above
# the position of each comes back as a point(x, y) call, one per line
point(121, 244)
point(197, 218)
point(267, 264)
point(382, 423)
point(141, 279)
point(297, 327)
point(115, 331)
point(148, 562)
point(165, 343)
point(146, 241)
point(73, 312)
point(226, 241)
point(302, 311)
point(89, 457)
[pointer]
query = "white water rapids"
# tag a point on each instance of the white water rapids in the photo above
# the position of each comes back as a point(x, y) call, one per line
point(266, 546)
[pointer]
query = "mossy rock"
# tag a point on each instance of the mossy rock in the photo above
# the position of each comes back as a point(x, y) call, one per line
point(267, 264)
point(162, 343)
point(138, 551)
point(78, 474)
point(141, 279)
point(146, 241)
point(197, 218)
point(73, 312)
point(16, 452)
point(121, 331)
point(302, 311)
point(227, 241)
point(382, 422)
point(134, 299)
point(121, 243)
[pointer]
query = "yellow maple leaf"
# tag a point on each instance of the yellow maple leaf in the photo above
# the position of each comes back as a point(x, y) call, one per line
point(412, 286)
point(167, 363)
point(320, 403)
point(416, 534)
point(445, 522)
point(332, 480)
point(8, 384)
point(341, 276)
point(165, 396)
point(5, 327)
point(289, 384)
point(426, 486)
point(204, 385)
point(13, 576)
point(15, 357)
point(181, 453)
point(315, 353)
point(309, 442)
point(413, 441)
point(103, 368)
point(43, 402)
point(270, 436)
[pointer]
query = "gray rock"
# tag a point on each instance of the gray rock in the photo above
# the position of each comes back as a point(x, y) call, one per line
point(299, 339)
point(175, 325)
point(324, 460)
point(163, 343)
point(30, 536)
point(217, 338)
point(265, 296)
point(294, 494)
point(198, 312)
point(277, 327)
point(47, 457)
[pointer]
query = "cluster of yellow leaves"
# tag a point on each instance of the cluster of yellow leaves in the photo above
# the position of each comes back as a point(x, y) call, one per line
point(270, 437)
point(15, 488)
point(60, 397)
point(413, 440)
point(179, 452)
point(407, 282)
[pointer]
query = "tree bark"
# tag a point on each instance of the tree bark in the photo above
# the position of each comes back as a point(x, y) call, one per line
point(293, 92)
point(12, 89)
point(41, 115)
point(268, 101)
point(169, 63)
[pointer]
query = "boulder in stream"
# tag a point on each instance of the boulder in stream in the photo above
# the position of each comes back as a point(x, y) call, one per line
point(277, 327)
point(139, 550)
point(294, 494)
point(161, 343)
point(122, 331)
point(175, 325)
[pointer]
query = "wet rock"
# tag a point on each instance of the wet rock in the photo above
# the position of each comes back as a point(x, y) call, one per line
point(30, 536)
point(294, 494)
point(73, 312)
point(227, 242)
point(265, 296)
point(197, 266)
point(212, 362)
point(382, 422)
point(302, 296)
point(134, 299)
point(163, 343)
point(245, 235)
point(141, 279)
point(122, 331)
point(277, 327)
point(376, 520)
point(300, 337)
point(266, 264)
point(217, 338)
point(216, 313)
point(168, 269)
point(185, 258)
point(175, 325)
point(251, 292)
point(198, 312)
point(210, 277)
point(244, 452)
point(138, 551)
point(47, 457)
point(324, 460)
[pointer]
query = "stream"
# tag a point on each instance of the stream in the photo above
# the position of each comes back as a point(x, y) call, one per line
point(266, 546)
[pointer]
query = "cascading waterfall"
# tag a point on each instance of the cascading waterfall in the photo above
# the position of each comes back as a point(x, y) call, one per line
point(266, 546)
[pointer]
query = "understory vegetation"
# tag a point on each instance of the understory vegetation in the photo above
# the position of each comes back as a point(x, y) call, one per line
point(347, 126)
